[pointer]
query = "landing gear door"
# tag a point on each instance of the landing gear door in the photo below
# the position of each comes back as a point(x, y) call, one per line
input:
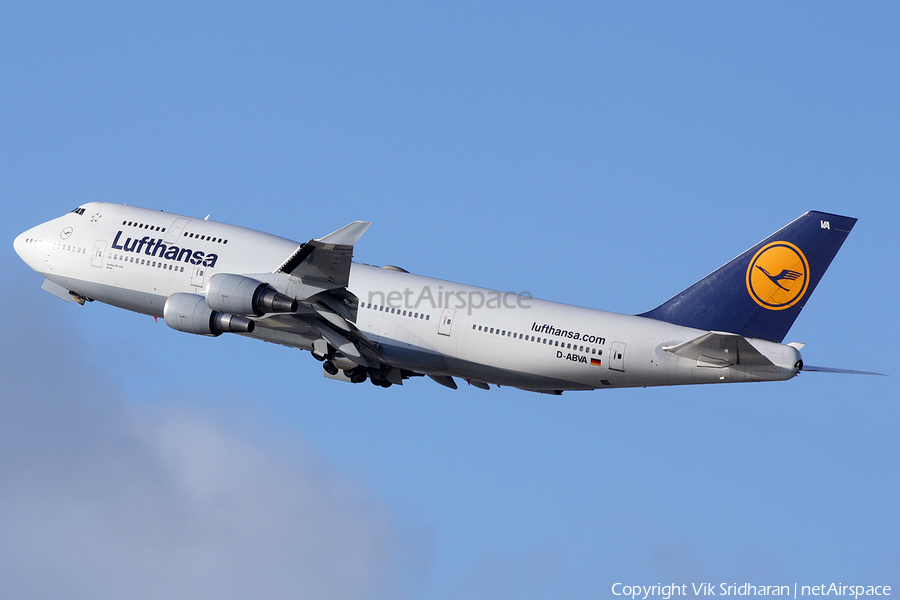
point(97, 255)
point(617, 356)
point(446, 321)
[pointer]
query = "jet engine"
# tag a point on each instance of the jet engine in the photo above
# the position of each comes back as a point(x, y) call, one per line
point(241, 295)
point(190, 313)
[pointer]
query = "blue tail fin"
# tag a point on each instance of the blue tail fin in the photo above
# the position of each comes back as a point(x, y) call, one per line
point(760, 293)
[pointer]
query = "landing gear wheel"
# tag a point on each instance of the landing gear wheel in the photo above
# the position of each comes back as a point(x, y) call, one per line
point(329, 367)
point(356, 374)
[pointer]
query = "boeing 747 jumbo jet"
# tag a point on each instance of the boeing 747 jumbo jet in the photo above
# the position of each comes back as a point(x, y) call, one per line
point(387, 325)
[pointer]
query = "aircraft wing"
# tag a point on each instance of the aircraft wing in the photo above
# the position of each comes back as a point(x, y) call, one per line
point(718, 349)
point(328, 310)
point(326, 261)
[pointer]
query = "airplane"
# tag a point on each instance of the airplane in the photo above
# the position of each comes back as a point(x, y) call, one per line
point(386, 325)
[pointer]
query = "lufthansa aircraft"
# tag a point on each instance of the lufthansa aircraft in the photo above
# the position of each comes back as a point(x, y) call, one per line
point(387, 325)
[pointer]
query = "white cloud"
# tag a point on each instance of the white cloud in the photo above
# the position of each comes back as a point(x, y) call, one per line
point(103, 498)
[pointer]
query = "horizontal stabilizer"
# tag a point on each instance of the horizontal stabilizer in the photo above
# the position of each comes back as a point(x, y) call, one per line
point(841, 371)
point(718, 349)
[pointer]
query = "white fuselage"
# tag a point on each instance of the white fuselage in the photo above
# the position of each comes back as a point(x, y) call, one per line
point(136, 258)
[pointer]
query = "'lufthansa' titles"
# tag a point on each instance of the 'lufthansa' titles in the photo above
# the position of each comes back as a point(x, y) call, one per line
point(153, 247)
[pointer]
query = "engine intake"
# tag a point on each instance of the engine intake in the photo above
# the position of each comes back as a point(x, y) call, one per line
point(190, 313)
point(241, 295)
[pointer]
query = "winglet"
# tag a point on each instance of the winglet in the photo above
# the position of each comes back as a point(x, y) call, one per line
point(347, 235)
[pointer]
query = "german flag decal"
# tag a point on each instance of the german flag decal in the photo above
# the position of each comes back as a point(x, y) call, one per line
point(595, 362)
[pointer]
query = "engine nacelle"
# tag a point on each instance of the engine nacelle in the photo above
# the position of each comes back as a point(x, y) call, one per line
point(190, 313)
point(241, 295)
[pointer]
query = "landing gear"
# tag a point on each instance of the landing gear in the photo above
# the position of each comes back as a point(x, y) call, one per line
point(381, 382)
point(357, 374)
point(329, 367)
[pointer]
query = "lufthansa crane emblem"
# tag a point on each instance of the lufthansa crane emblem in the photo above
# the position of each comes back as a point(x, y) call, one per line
point(778, 276)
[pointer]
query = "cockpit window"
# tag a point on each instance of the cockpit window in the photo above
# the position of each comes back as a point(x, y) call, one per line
point(78, 211)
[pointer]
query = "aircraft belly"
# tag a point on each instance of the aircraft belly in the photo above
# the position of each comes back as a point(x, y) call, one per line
point(466, 369)
point(405, 356)
point(142, 302)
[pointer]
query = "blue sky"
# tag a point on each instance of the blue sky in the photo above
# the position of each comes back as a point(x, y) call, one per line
point(601, 155)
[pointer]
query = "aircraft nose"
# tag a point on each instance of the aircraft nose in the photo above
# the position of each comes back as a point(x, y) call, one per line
point(19, 244)
point(22, 247)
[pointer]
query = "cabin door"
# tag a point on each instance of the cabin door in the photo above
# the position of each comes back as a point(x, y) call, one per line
point(97, 255)
point(446, 321)
point(616, 359)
